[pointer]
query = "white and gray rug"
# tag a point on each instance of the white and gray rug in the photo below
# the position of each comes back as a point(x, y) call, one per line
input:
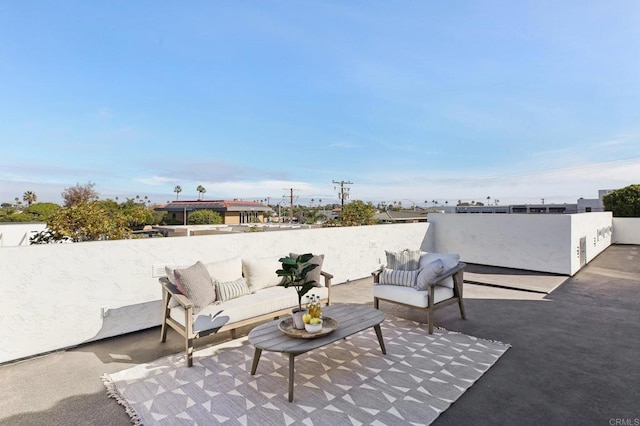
point(349, 382)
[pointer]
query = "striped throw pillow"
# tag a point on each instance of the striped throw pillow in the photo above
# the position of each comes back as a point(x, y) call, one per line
point(231, 289)
point(398, 277)
point(405, 260)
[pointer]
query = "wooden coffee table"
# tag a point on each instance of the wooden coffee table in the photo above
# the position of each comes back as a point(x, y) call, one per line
point(351, 319)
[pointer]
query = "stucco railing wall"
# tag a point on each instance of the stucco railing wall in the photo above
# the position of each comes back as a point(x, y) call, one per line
point(626, 230)
point(17, 234)
point(536, 242)
point(61, 295)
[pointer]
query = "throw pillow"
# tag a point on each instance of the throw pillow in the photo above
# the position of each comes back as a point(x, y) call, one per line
point(261, 272)
point(316, 274)
point(197, 285)
point(169, 270)
point(231, 289)
point(398, 277)
point(225, 270)
point(405, 260)
point(428, 273)
point(449, 260)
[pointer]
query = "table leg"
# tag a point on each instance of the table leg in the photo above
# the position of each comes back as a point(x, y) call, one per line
point(256, 359)
point(380, 339)
point(292, 358)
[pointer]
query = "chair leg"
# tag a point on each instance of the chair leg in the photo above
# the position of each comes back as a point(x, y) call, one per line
point(462, 312)
point(189, 351)
point(376, 303)
point(430, 319)
point(163, 331)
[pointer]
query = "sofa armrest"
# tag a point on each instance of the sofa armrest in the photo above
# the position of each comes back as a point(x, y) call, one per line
point(376, 275)
point(172, 291)
point(327, 278)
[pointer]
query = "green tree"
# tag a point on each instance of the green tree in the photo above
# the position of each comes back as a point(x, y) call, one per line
point(204, 217)
point(177, 190)
point(40, 212)
point(79, 194)
point(89, 222)
point(29, 197)
point(358, 213)
point(623, 202)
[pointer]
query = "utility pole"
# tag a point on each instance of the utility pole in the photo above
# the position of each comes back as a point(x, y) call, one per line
point(291, 204)
point(343, 194)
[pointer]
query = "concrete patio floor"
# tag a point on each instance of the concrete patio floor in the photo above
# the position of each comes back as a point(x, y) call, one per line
point(575, 355)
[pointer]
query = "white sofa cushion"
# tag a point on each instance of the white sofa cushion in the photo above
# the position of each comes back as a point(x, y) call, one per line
point(225, 270)
point(449, 260)
point(263, 302)
point(428, 273)
point(411, 296)
point(261, 272)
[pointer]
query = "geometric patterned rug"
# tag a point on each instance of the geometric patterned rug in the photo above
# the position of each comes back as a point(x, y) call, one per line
point(349, 382)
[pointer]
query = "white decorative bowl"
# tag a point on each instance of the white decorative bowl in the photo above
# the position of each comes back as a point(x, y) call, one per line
point(313, 328)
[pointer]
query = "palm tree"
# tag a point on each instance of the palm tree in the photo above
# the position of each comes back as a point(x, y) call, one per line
point(201, 190)
point(177, 190)
point(29, 197)
point(488, 200)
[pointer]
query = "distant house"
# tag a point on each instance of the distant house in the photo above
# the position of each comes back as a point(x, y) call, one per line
point(402, 216)
point(233, 212)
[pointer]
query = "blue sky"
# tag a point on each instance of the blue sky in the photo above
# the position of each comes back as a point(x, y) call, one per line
point(409, 100)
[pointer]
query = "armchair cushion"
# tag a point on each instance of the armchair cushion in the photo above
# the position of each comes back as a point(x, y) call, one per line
point(197, 285)
point(314, 275)
point(409, 296)
point(398, 277)
point(405, 260)
point(261, 272)
point(428, 273)
point(449, 260)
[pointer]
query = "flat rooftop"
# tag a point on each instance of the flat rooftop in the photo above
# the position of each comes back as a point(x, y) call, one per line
point(575, 355)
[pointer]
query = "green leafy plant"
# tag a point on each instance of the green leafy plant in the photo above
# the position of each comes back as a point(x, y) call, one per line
point(295, 270)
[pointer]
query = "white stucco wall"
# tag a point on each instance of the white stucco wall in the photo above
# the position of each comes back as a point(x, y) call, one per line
point(55, 295)
point(596, 228)
point(536, 242)
point(14, 234)
point(533, 242)
point(626, 230)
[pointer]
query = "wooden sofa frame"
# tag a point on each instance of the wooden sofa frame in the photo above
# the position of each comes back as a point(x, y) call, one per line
point(170, 291)
point(456, 272)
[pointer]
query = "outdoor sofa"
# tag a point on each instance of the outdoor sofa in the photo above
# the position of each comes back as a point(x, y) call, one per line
point(206, 298)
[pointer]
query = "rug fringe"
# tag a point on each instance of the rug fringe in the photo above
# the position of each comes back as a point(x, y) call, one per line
point(112, 392)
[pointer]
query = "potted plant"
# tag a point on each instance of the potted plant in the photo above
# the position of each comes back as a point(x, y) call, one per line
point(294, 271)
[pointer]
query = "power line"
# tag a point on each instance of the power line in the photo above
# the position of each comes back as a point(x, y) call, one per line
point(291, 203)
point(343, 194)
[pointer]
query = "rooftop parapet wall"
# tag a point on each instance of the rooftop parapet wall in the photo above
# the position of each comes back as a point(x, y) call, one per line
point(61, 295)
point(626, 230)
point(536, 242)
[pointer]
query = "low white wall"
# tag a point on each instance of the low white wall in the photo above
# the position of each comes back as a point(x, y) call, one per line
point(536, 242)
point(15, 234)
point(596, 228)
point(61, 295)
point(626, 230)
